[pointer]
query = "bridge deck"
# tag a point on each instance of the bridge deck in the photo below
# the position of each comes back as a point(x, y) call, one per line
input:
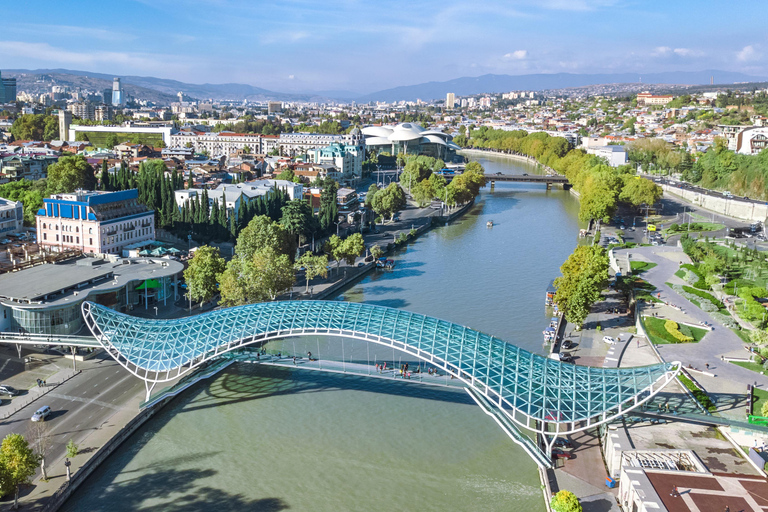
point(530, 178)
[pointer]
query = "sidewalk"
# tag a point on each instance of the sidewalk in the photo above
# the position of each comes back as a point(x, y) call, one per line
point(21, 401)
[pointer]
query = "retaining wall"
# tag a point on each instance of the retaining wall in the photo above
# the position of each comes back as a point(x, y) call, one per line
point(743, 210)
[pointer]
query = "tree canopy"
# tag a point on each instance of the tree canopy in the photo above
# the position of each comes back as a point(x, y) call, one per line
point(389, 200)
point(565, 501)
point(69, 174)
point(203, 272)
point(585, 273)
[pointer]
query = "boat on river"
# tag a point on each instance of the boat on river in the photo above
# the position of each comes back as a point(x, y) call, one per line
point(385, 264)
point(489, 224)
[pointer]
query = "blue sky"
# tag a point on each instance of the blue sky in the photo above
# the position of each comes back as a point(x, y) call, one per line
point(364, 46)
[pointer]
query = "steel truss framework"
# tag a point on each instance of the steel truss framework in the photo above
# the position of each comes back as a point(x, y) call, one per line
point(532, 390)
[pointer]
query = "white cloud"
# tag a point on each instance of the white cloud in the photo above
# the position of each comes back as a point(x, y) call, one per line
point(291, 77)
point(43, 52)
point(664, 51)
point(517, 55)
point(748, 53)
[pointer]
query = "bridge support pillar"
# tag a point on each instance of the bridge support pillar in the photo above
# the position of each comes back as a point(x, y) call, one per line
point(549, 185)
point(493, 185)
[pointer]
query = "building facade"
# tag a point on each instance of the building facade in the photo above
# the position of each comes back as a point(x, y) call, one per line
point(11, 216)
point(22, 167)
point(83, 111)
point(647, 99)
point(752, 140)
point(346, 158)
point(450, 100)
point(118, 95)
point(217, 144)
point(94, 222)
point(7, 90)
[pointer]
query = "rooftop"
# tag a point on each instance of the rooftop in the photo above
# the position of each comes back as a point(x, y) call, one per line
point(61, 283)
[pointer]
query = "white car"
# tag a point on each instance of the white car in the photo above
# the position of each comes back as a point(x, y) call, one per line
point(41, 413)
point(609, 340)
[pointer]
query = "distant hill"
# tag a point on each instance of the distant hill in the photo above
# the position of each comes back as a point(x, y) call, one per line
point(159, 90)
point(505, 83)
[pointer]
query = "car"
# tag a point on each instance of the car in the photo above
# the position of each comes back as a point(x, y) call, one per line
point(499, 174)
point(41, 413)
point(8, 390)
point(567, 344)
point(609, 340)
point(562, 442)
point(560, 454)
point(5, 241)
point(525, 174)
point(566, 357)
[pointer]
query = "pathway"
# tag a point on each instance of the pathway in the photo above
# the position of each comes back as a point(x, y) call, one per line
point(722, 340)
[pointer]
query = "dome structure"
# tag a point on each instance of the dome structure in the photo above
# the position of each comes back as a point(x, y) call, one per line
point(411, 139)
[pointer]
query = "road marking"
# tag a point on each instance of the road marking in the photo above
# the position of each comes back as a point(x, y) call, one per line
point(84, 400)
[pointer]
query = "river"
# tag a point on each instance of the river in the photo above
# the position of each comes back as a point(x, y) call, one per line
point(265, 438)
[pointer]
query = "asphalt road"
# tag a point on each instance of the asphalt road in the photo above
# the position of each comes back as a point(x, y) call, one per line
point(79, 406)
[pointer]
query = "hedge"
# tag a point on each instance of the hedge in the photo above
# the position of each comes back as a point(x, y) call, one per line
point(704, 295)
point(674, 329)
point(701, 284)
point(698, 393)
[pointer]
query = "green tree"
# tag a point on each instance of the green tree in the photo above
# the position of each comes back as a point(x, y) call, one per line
point(637, 191)
point(376, 252)
point(261, 232)
point(203, 272)
point(565, 501)
point(465, 187)
point(389, 200)
point(287, 175)
point(585, 273)
point(297, 218)
point(372, 190)
point(112, 140)
point(352, 247)
point(72, 449)
point(69, 174)
point(262, 277)
point(314, 266)
point(19, 464)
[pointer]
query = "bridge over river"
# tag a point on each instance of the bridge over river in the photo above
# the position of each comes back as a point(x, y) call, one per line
point(548, 179)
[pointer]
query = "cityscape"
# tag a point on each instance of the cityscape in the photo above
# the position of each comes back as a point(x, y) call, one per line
point(504, 256)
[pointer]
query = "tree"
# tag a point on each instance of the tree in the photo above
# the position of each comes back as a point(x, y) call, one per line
point(69, 174)
point(41, 438)
point(372, 190)
point(465, 187)
point(203, 272)
point(287, 175)
point(72, 449)
point(352, 247)
point(585, 273)
point(329, 208)
point(389, 200)
point(565, 501)
point(261, 232)
point(314, 266)
point(297, 218)
point(637, 191)
point(19, 463)
point(376, 252)
point(262, 277)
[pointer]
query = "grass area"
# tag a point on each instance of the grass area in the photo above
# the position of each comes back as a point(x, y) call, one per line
point(744, 335)
point(695, 227)
point(638, 267)
point(760, 397)
point(699, 394)
point(701, 283)
point(731, 287)
point(749, 366)
point(660, 336)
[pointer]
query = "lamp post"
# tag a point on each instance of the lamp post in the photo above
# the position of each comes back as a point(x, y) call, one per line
point(67, 464)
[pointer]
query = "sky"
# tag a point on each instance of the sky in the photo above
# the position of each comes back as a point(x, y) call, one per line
point(365, 46)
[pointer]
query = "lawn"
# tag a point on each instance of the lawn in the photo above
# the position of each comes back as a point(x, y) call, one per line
point(659, 335)
point(743, 334)
point(695, 227)
point(760, 397)
point(638, 267)
point(749, 366)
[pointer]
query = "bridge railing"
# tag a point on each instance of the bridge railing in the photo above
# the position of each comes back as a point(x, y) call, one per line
point(47, 339)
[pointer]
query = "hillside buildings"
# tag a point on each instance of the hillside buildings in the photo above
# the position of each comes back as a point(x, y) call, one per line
point(645, 99)
point(450, 100)
point(94, 222)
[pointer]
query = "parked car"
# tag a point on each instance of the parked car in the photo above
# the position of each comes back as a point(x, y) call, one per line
point(562, 442)
point(566, 357)
point(609, 340)
point(41, 413)
point(567, 344)
point(560, 454)
point(8, 390)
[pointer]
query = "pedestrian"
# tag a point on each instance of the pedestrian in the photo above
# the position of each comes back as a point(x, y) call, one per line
point(294, 360)
point(707, 365)
point(674, 493)
point(638, 342)
point(45, 384)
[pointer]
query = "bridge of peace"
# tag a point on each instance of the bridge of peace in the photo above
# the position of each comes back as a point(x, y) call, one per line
point(520, 389)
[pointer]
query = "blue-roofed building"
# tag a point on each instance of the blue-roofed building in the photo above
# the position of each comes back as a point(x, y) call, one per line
point(94, 222)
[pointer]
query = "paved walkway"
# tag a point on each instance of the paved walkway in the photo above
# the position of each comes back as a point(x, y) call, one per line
point(729, 378)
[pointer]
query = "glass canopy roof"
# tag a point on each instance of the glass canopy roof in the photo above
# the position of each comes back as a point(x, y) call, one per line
point(540, 388)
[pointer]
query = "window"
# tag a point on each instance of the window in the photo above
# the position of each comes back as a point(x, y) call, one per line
point(77, 240)
point(90, 231)
point(90, 241)
point(43, 225)
point(57, 238)
point(45, 236)
point(77, 229)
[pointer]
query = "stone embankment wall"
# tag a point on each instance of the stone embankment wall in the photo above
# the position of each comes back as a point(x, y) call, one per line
point(743, 210)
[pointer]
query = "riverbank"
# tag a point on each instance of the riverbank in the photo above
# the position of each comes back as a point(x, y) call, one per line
point(512, 156)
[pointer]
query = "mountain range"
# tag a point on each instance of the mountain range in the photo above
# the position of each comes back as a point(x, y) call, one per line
point(162, 90)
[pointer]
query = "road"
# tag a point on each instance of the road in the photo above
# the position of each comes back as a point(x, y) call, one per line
point(80, 405)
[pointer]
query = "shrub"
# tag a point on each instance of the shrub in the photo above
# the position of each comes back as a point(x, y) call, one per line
point(764, 410)
point(724, 319)
point(697, 393)
point(565, 501)
point(685, 330)
point(757, 359)
point(673, 328)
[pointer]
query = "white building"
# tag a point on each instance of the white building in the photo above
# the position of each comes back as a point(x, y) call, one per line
point(217, 144)
point(752, 141)
point(616, 155)
point(450, 100)
point(233, 195)
point(11, 216)
point(163, 129)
